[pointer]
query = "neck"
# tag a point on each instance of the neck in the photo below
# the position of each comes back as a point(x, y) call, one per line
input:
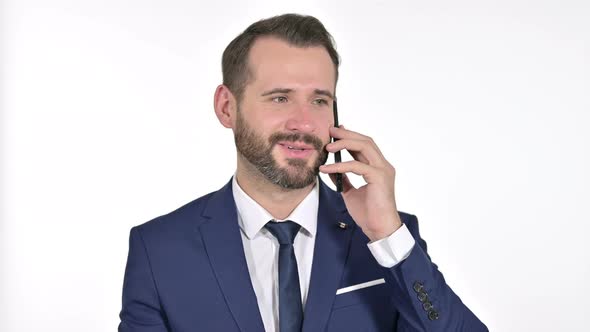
point(278, 201)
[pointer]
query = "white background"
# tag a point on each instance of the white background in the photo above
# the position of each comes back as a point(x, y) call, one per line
point(482, 106)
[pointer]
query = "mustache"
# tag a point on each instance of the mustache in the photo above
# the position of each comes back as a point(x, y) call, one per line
point(312, 140)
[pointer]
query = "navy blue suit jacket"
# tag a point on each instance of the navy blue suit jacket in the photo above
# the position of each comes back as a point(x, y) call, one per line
point(186, 271)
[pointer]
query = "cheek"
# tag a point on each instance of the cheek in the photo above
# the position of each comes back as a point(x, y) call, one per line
point(266, 125)
point(323, 126)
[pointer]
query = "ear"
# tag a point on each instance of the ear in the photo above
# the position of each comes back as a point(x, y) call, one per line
point(224, 103)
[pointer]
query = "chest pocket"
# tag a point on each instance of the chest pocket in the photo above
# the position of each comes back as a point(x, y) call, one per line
point(367, 295)
point(367, 309)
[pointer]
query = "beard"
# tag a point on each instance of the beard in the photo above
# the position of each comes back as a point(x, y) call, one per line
point(258, 152)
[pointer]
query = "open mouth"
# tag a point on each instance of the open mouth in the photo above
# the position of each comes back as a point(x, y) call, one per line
point(293, 149)
point(296, 147)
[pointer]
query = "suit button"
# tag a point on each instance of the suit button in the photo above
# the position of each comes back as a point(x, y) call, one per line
point(418, 287)
point(427, 306)
point(422, 296)
point(432, 315)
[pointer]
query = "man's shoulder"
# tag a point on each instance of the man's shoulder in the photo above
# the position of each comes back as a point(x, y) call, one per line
point(180, 220)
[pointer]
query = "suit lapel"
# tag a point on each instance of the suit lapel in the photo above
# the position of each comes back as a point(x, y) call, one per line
point(330, 252)
point(223, 243)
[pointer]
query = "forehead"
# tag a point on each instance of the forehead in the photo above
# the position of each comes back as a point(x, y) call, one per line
point(275, 62)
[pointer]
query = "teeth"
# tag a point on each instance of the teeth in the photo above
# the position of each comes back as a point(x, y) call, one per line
point(292, 148)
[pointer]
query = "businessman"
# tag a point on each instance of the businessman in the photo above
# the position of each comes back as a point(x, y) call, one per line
point(276, 249)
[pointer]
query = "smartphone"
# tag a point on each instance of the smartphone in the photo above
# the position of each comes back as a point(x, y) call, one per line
point(337, 155)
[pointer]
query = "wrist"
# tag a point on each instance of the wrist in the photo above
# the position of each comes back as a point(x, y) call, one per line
point(385, 231)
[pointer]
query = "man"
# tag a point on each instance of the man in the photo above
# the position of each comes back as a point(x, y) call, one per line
point(276, 249)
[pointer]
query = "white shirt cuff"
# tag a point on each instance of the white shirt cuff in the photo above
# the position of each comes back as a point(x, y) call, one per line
point(393, 249)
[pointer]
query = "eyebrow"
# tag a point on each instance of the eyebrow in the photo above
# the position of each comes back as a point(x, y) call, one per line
point(285, 90)
point(276, 90)
point(324, 93)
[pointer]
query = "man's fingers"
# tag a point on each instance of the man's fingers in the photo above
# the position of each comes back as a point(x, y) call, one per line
point(345, 134)
point(341, 132)
point(363, 151)
point(368, 172)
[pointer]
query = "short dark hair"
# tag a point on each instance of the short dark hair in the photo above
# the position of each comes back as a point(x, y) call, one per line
point(295, 29)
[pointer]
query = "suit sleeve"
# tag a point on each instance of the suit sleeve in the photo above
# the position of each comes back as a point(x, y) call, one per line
point(426, 302)
point(141, 305)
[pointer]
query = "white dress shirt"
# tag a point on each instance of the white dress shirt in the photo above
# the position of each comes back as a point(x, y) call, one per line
point(262, 249)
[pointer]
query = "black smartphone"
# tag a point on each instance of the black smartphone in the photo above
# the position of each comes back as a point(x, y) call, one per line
point(337, 155)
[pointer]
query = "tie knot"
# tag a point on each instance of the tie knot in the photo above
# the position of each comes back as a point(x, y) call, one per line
point(284, 231)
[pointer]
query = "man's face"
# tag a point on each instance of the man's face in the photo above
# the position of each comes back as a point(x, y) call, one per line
point(283, 119)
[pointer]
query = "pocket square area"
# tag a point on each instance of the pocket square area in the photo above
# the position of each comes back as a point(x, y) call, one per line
point(360, 286)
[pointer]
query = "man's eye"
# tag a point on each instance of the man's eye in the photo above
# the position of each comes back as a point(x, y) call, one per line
point(280, 99)
point(320, 101)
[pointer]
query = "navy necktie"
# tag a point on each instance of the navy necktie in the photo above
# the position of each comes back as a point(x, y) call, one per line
point(290, 307)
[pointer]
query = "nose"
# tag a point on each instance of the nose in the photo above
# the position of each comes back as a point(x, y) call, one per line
point(301, 119)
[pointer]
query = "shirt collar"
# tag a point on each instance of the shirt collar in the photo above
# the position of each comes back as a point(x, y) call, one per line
point(252, 217)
